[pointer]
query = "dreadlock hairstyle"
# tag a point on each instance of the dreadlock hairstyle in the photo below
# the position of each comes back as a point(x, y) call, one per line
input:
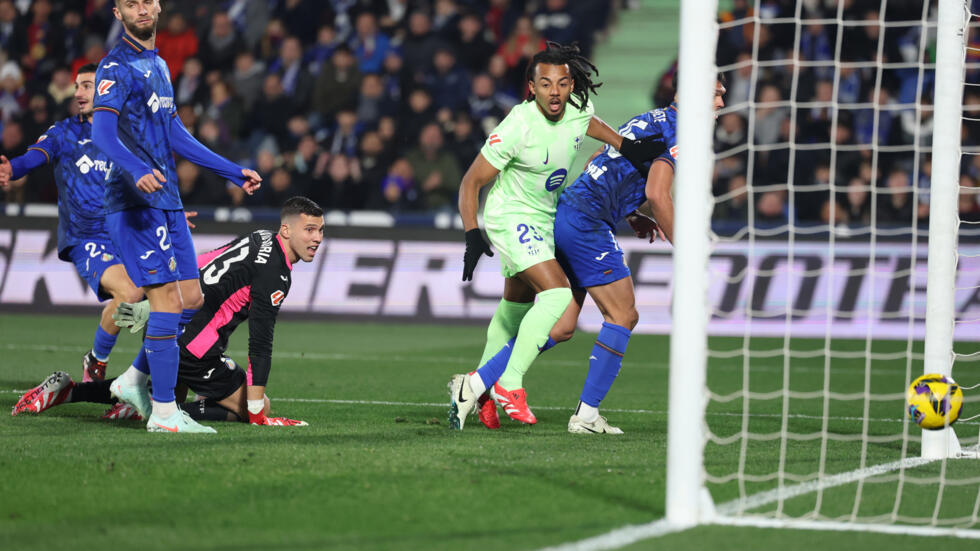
point(579, 67)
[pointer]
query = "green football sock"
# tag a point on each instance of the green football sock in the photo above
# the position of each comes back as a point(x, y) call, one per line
point(503, 326)
point(533, 333)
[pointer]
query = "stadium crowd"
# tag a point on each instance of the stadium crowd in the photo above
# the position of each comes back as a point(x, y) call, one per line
point(869, 116)
point(357, 104)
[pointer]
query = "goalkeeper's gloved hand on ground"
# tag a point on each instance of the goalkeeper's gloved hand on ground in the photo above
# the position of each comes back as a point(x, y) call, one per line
point(641, 151)
point(132, 315)
point(256, 416)
point(643, 226)
point(476, 245)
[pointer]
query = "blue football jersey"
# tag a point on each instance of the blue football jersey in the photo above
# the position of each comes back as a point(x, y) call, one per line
point(610, 188)
point(134, 83)
point(79, 170)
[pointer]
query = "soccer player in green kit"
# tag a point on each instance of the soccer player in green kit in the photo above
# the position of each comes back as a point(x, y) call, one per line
point(531, 151)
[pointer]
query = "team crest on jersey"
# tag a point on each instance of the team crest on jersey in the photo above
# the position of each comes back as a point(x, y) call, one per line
point(277, 297)
point(104, 86)
point(172, 264)
point(84, 164)
point(494, 139)
point(106, 257)
point(578, 143)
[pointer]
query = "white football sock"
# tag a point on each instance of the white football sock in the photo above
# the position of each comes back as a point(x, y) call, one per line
point(586, 412)
point(133, 376)
point(476, 384)
point(164, 409)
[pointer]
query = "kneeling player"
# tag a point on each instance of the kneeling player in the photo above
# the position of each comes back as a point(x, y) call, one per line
point(246, 279)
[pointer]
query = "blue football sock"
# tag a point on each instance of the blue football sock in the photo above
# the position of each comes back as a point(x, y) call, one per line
point(185, 318)
point(162, 354)
point(495, 366)
point(102, 346)
point(604, 363)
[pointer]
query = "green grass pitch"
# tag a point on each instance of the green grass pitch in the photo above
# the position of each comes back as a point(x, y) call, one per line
point(378, 469)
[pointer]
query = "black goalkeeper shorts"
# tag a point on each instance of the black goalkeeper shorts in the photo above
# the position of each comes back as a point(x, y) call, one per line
point(216, 378)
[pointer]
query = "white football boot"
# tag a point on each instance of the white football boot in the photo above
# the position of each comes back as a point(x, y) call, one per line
point(180, 421)
point(599, 426)
point(462, 401)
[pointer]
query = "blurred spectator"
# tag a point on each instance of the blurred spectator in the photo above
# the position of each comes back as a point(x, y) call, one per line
point(199, 186)
point(374, 160)
point(434, 169)
point(219, 48)
point(398, 189)
point(419, 47)
point(769, 115)
point(337, 84)
point(771, 207)
point(37, 117)
point(61, 90)
point(246, 80)
point(302, 164)
point(300, 17)
point(521, 45)
point(93, 53)
point(472, 47)
point(372, 102)
point(280, 188)
point(555, 22)
point(858, 201)
point(729, 132)
point(226, 110)
point(446, 19)
point(13, 95)
point(346, 184)
point(72, 36)
point(42, 39)
point(969, 210)
point(465, 141)
point(175, 43)
point(735, 206)
point(449, 83)
point(13, 35)
point(419, 113)
point(189, 88)
point(895, 202)
point(394, 76)
point(486, 106)
point(297, 83)
point(501, 18)
point(343, 136)
point(318, 55)
point(370, 45)
point(273, 109)
point(268, 45)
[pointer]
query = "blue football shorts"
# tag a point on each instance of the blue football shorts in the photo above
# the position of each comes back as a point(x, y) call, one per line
point(154, 245)
point(587, 249)
point(92, 257)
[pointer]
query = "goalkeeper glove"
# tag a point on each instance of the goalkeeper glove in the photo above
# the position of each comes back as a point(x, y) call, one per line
point(643, 225)
point(132, 315)
point(476, 245)
point(256, 416)
point(641, 151)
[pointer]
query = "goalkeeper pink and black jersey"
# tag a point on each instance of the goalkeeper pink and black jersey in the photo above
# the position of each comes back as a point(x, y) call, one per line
point(247, 279)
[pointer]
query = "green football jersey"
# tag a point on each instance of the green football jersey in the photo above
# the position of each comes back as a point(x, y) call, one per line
point(533, 156)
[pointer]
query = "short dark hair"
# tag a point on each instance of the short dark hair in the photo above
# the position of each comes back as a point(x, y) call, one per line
point(88, 68)
point(300, 205)
point(673, 80)
point(579, 68)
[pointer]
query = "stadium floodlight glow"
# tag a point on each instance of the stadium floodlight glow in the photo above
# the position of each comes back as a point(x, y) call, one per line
point(823, 442)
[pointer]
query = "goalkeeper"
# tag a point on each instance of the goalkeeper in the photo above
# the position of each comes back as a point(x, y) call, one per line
point(608, 190)
point(247, 279)
point(531, 150)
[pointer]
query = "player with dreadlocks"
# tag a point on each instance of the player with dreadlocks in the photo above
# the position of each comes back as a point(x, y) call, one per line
point(529, 153)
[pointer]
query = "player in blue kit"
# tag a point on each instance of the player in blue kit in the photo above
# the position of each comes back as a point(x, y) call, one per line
point(79, 171)
point(608, 190)
point(136, 125)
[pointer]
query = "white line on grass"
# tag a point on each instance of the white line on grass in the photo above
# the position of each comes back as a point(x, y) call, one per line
point(461, 361)
point(627, 535)
point(569, 408)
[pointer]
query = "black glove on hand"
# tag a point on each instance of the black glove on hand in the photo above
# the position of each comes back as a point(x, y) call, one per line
point(475, 246)
point(641, 151)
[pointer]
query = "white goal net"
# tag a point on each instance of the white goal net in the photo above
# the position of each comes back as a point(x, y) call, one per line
point(842, 262)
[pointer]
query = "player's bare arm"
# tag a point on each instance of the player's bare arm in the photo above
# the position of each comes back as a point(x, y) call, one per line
point(6, 171)
point(659, 180)
point(480, 173)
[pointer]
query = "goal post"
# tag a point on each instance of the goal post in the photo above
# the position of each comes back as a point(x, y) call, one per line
point(692, 224)
point(943, 198)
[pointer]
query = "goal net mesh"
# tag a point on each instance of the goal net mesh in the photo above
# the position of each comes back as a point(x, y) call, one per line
point(818, 265)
